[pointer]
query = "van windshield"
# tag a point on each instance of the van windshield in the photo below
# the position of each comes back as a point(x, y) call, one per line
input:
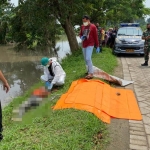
point(128, 31)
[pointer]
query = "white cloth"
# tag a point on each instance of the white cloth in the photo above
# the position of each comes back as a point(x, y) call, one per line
point(123, 82)
point(59, 74)
point(103, 75)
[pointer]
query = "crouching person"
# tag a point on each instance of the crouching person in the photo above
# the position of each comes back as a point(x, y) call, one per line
point(53, 73)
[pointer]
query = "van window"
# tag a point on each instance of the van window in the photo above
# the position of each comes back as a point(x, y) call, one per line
point(127, 31)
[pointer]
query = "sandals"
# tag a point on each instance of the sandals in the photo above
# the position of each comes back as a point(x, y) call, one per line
point(89, 77)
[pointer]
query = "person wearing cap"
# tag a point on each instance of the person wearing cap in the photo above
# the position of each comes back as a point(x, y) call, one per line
point(89, 37)
point(6, 88)
point(53, 73)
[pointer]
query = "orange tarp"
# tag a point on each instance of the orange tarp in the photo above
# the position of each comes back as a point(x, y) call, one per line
point(100, 99)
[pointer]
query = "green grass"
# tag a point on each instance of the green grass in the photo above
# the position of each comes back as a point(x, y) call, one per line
point(68, 129)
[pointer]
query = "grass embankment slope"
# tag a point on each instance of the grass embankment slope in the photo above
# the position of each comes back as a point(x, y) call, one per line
point(68, 129)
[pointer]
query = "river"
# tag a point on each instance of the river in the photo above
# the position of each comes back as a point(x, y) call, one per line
point(22, 70)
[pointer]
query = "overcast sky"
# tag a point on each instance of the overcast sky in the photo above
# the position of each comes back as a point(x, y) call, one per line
point(147, 2)
point(15, 2)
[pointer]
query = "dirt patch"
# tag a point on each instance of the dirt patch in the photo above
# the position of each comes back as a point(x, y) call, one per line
point(119, 128)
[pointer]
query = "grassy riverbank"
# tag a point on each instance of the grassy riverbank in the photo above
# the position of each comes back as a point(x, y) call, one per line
point(69, 129)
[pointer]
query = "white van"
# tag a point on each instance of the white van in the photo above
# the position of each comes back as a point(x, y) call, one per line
point(129, 39)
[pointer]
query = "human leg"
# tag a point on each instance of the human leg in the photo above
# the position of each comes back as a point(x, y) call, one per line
point(61, 80)
point(84, 55)
point(33, 101)
point(88, 57)
point(43, 78)
point(146, 56)
point(1, 126)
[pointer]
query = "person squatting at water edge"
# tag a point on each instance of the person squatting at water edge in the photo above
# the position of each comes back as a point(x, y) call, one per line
point(53, 73)
point(89, 37)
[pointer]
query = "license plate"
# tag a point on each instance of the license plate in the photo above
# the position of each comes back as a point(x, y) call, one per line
point(129, 50)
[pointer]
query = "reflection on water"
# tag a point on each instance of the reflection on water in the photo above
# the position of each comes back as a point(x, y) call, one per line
point(64, 48)
point(21, 76)
point(23, 70)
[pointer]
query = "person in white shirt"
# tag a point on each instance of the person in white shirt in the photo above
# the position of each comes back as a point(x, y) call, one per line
point(53, 73)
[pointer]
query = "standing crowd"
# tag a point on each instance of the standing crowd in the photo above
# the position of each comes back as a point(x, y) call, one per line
point(106, 37)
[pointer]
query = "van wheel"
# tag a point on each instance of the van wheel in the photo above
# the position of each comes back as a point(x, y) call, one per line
point(114, 53)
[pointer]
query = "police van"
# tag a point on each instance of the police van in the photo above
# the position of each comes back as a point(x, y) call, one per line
point(129, 39)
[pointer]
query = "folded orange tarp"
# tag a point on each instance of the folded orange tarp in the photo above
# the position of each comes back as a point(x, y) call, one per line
point(100, 99)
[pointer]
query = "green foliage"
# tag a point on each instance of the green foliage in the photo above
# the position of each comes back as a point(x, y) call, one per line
point(32, 25)
point(142, 23)
point(111, 12)
point(35, 23)
point(5, 14)
point(118, 11)
point(3, 2)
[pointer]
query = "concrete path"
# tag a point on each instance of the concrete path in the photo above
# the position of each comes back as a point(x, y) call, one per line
point(139, 130)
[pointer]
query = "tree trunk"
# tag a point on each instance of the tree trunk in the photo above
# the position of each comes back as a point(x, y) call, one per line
point(70, 35)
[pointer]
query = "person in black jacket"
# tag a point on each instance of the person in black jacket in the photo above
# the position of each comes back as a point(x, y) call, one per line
point(114, 34)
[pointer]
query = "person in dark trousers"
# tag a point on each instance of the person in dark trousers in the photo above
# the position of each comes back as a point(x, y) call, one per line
point(89, 37)
point(6, 88)
point(99, 35)
point(114, 34)
point(146, 37)
point(109, 42)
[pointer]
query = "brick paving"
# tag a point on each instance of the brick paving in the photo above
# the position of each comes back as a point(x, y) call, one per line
point(139, 130)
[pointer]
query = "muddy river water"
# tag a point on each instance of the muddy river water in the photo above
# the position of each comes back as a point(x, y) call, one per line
point(22, 69)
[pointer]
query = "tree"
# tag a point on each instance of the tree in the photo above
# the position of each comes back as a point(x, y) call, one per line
point(33, 25)
point(3, 2)
point(123, 10)
point(64, 10)
point(5, 13)
point(39, 20)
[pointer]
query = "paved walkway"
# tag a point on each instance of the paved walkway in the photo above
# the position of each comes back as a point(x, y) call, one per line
point(139, 130)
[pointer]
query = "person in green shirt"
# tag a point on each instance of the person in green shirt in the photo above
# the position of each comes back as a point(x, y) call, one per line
point(146, 37)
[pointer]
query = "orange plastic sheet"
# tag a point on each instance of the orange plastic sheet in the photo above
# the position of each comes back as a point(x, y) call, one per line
point(100, 99)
